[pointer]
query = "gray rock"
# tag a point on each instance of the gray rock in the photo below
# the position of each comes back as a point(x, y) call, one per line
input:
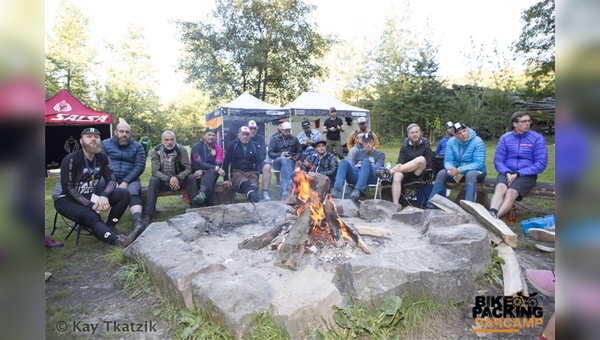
point(409, 215)
point(242, 213)
point(346, 207)
point(466, 240)
point(190, 225)
point(377, 210)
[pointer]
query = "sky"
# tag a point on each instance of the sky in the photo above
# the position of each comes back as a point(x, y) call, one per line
point(449, 23)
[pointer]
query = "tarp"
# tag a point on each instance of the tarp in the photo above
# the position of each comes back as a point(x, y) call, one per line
point(66, 117)
point(229, 117)
point(64, 108)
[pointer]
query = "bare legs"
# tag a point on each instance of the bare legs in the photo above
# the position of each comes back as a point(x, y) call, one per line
point(416, 166)
point(503, 199)
point(266, 178)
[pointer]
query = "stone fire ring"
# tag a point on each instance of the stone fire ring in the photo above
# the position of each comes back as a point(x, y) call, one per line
point(196, 257)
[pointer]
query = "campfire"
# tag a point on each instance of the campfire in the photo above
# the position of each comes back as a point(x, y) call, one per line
point(314, 220)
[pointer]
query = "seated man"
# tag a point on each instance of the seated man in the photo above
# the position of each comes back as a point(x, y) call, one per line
point(307, 138)
point(206, 160)
point(520, 156)
point(357, 146)
point(285, 149)
point(464, 160)
point(79, 197)
point(359, 170)
point(362, 129)
point(321, 162)
point(440, 150)
point(259, 140)
point(128, 159)
point(243, 161)
point(414, 157)
point(170, 171)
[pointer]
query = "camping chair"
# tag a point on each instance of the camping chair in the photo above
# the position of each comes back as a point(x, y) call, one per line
point(72, 225)
point(416, 193)
point(377, 187)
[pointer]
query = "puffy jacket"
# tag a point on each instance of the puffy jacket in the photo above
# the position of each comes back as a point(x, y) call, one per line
point(236, 158)
point(278, 144)
point(408, 152)
point(441, 147)
point(468, 155)
point(525, 153)
point(128, 161)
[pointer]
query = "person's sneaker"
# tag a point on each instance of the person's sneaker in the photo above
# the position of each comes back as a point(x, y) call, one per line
point(356, 195)
point(265, 196)
point(146, 220)
point(549, 247)
point(336, 193)
point(50, 242)
point(542, 280)
point(494, 214)
point(124, 240)
point(283, 198)
point(199, 200)
point(542, 234)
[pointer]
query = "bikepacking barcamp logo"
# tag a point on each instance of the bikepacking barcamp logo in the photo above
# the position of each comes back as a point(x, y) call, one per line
point(506, 314)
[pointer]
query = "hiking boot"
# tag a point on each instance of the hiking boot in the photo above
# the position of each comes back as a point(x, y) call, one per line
point(252, 196)
point(124, 240)
point(542, 280)
point(265, 196)
point(199, 200)
point(50, 242)
point(542, 234)
point(356, 194)
point(384, 174)
point(138, 224)
point(336, 193)
point(146, 220)
point(494, 214)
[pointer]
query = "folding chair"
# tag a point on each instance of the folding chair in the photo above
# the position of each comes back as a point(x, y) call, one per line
point(72, 225)
point(415, 193)
point(377, 186)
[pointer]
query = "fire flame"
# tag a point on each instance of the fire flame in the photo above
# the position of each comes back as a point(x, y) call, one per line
point(309, 199)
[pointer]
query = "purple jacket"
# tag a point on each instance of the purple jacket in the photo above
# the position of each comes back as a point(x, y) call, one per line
point(523, 153)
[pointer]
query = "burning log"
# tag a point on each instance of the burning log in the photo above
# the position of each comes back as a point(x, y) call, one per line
point(320, 184)
point(335, 223)
point(334, 220)
point(290, 253)
point(261, 241)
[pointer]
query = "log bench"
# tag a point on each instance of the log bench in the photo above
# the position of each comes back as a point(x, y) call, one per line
point(224, 196)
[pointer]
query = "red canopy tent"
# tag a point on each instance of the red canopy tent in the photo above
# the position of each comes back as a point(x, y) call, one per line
point(66, 117)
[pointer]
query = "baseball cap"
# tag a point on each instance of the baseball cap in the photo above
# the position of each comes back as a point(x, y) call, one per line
point(244, 129)
point(459, 126)
point(320, 140)
point(332, 109)
point(286, 126)
point(362, 120)
point(368, 137)
point(209, 129)
point(281, 121)
point(449, 125)
point(252, 124)
point(90, 130)
point(305, 123)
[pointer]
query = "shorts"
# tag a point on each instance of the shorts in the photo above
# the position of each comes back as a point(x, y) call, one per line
point(237, 177)
point(410, 177)
point(522, 184)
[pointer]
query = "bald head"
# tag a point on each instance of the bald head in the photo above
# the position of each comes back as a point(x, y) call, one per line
point(123, 134)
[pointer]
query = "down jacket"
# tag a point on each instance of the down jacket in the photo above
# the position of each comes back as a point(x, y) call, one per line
point(525, 153)
point(128, 162)
point(467, 156)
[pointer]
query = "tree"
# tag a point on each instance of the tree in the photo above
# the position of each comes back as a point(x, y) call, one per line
point(267, 48)
point(185, 115)
point(69, 57)
point(536, 43)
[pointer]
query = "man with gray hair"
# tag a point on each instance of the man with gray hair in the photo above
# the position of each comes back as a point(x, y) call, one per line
point(128, 160)
point(170, 171)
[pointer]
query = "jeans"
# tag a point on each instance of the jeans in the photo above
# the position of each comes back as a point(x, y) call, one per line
point(207, 184)
point(360, 177)
point(286, 166)
point(471, 178)
point(90, 219)
point(156, 185)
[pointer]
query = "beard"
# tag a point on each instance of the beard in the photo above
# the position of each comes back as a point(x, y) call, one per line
point(91, 148)
point(123, 141)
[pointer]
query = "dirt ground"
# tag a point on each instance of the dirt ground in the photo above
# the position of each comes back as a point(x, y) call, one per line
point(86, 293)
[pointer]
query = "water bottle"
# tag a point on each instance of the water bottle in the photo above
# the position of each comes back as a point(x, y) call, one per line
point(389, 165)
point(512, 214)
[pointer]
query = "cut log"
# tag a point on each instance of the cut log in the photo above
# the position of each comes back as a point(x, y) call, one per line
point(360, 242)
point(261, 241)
point(497, 226)
point(333, 219)
point(320, 183)
point(366, 230)
point(451, 207)
point(289, 255)
point(511, 272)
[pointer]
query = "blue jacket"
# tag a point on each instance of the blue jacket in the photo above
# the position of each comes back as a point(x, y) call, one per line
point(128, 162)
point(467, 156)
point(525, 153)
point(441, 147)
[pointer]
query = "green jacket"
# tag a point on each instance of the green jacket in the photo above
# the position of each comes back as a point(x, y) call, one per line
point(182, 163)
point(148, 144)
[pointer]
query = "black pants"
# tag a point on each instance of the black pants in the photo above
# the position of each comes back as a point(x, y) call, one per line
point(91, 220)
point(156, 185)
point(207, 184)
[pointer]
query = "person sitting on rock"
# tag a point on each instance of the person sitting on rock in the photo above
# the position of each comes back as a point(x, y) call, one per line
point(206, 160)
point(464, 161)
point(360, 170)
point(242, 165)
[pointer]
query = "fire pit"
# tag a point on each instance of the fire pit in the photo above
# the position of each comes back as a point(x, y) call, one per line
point(221, 258)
